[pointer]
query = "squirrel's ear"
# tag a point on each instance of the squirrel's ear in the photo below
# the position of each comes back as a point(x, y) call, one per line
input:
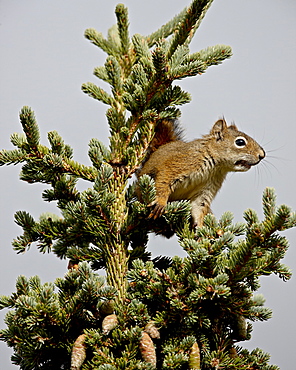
point(233, 127)
point(219, 129)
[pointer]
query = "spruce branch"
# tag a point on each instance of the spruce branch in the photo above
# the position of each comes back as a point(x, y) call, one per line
point(113, 36)
point(12, 156)
point(122, 24)
point(98, 39)
point(46, 323)
point(18, 140)
point(166, 30)
point(143, 77)
point(142, 53)
point(198, 22)
point(189, 24)
point(212, 55)
point(97, 93)
point(113, 72)
point(30, 127)
point(58, 145)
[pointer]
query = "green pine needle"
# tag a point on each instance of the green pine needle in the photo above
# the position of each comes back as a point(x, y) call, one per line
point(97, 93)
point(30, 127)
point(122, 24)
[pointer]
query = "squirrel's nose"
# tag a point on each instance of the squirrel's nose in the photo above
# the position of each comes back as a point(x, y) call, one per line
point(261, 154)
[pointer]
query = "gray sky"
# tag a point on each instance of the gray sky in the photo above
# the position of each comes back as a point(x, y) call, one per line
point(44, 61)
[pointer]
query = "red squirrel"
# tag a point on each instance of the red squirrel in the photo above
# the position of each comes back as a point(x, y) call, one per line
point(195, 170)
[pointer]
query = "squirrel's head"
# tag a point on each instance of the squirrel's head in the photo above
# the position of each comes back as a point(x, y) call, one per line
point(237, 151)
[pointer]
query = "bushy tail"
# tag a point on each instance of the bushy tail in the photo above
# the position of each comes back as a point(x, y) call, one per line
point(166, 131)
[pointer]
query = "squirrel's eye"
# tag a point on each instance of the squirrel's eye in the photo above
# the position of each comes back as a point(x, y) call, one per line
point(240, 142)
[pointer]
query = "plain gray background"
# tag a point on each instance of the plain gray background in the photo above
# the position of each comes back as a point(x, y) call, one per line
point(44, 61)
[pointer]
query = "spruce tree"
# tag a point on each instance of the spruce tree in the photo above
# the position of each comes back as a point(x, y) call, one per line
point(161, 313)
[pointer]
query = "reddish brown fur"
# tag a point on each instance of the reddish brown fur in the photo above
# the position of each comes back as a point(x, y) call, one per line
point(196, 170)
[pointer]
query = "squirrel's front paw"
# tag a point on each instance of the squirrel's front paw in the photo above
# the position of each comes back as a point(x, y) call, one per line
point(157, 210)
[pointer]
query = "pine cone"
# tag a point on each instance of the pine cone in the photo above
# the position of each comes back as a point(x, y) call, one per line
point(107, 307)
point(109, 323)
point(152, 330)
point(147, 349)
point(240, 331)
point(194, 357)
point(78, 353)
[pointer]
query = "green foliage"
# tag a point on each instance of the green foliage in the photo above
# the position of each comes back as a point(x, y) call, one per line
point(46, 319)
point(177, 313)
point(208, 295)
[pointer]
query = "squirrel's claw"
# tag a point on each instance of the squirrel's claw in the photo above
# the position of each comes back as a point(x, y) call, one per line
point(157, 211)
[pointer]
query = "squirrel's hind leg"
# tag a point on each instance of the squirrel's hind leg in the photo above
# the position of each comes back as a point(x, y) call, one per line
point(199, 208)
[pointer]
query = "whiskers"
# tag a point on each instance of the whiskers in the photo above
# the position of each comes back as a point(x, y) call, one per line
point(267, 168)
point(267, 163)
